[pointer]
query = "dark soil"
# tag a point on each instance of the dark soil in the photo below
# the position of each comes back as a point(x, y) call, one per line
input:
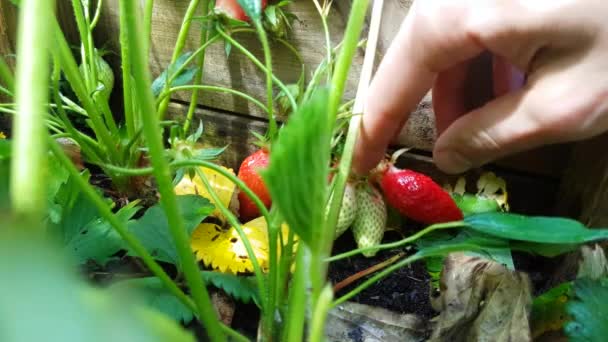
point(403, 291)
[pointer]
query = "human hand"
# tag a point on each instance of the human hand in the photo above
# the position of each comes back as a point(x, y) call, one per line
point(561, 46)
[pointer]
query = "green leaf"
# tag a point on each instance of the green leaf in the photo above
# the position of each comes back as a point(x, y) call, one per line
point(253, 8)
point(56, 177)
point(471, 204)
point(5, 149)
point(548, 250)
point(589, 311)
point(534, 228)
point(44, 299)
point(227, 48)
point(154, 294)
point(98, 240)
point(209, 153)
point(298, 168)
point(549, 309)
point(439, 243)
point(152, 229)
point(5, 167)
point(184, 77)
point(241, 288)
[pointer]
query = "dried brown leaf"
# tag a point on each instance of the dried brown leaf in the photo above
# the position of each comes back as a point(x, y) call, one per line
point(481, 300)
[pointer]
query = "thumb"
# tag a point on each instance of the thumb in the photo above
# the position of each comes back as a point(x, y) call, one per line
point(503, 126)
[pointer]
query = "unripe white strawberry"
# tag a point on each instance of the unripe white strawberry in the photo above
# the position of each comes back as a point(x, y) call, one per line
point(348, 210)
point(370, 221)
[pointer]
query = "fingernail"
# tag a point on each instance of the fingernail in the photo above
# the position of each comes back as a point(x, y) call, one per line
point(452, 162)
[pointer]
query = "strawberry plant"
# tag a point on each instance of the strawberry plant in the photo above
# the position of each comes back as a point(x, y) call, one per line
point(293, 205)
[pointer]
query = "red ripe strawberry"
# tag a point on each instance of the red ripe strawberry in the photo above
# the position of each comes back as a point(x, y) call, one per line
point(417, 196)
point(232, 9)
point(249, 174)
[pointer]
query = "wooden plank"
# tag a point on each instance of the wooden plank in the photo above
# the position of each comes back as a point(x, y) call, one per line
point(236, 71)
point(8, 30)
point(584, 188)
point(221, 129)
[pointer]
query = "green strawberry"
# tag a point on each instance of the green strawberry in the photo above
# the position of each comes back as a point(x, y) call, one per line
point(348, 210)
point(370, 222)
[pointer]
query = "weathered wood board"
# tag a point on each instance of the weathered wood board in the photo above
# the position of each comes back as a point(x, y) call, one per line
point(236, 71)
point(7, 49)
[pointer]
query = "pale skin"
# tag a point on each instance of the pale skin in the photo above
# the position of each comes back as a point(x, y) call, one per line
point(560, 45)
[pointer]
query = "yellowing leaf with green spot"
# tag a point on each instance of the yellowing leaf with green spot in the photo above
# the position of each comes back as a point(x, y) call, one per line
point(224, 188)
point(223, 249)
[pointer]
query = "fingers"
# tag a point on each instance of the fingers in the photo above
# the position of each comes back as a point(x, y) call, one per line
point(404, 76)
point(502, 126)
point(436, 36)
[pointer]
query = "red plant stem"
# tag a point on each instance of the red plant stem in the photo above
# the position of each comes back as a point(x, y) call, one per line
point(346, 282)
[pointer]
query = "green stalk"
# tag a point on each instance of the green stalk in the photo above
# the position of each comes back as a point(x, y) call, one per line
point(89, 152)
point(91, 54)
point(192, 57)
point(350, 42)
point(318, 266)
point(62, 53)
point(6, 91)
point(148, 10)
point(92, 57)
point(97, 15)
point(259, 64)
point(400, 243)
point(179, 46)
point(119, 226)
point(317, 331)
point(294, 331)
point(323, 16)
point(6, 75)
point(236, 336)
point(125, 55)
point(274, 227)
point(198, 78)
point(213, 89)
point(272, 123)
point(28, 166)
point(163, 176)
point(84, 39)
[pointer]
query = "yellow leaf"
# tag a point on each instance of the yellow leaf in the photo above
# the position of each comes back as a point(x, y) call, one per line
point(224, 188)
point(2, 136)
point(224, 250)
point(490, 185)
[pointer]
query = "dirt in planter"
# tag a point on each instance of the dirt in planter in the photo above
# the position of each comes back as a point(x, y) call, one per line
point(405, 290)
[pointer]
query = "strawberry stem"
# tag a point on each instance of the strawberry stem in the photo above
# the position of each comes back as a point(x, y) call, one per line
point(398, 154)
point(272, 123)
point(400, 243)
point(346, 282)
point(179, 46)
point(29, 148)
point(198, 78)
point(259, 64)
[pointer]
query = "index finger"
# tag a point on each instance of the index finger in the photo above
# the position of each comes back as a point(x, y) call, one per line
point(434, 36)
